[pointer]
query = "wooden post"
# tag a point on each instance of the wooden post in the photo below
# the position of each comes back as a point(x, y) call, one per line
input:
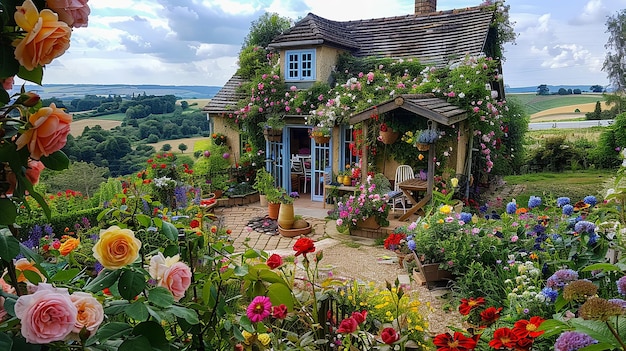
point(364, 160)
point(431, 165)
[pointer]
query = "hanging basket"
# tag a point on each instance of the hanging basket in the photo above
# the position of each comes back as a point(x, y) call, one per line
point(388, 137)
point(422, 147)
point(273, 134)
point(321, 139)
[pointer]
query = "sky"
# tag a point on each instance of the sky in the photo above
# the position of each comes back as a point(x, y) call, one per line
point(196, 42)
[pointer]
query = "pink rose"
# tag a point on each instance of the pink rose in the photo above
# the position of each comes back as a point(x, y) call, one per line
point(48, 132)
point(90, 312)
point(47, 315)
point(73, 12)
point(177, 279)
point(34, 170)
point(7, 288)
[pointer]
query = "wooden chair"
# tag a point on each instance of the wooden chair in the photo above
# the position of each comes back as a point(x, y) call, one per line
point(403, 172)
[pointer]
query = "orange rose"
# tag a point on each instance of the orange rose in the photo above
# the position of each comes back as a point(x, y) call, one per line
point(116, 248)
point(48, 132)
point(46, 37)
point(33, 171)
point(23, 265)
point(68, 245)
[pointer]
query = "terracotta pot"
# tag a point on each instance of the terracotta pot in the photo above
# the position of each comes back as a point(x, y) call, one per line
point(422, 147)
point(272, 210)
point(368, 223)
point(347, 180)
point(431, 271)
point(388, 137)
point(286, 216)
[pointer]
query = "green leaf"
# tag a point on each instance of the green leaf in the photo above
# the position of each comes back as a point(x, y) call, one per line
point(170, 231)
point(280, 294)
point(144, 220)
point(187, 314)
point(30, 254)
point(35, 76)
point(32, 277)
point(153, 331)
point(596, 329)
point(65, 275)
point(9, 211)
point(56, 161)
point(113, 330)
point(161, 297)
point(105, 279)
point(116, 307)
point(270, 277)
point(597, 347)
point(6, 343)
point(246, 324)
point(137, 311)
point(140, 343)
point(131, 283)
point(9, 245)
point(607, 267)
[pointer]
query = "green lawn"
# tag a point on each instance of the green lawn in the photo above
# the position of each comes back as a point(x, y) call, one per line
point(536, 103)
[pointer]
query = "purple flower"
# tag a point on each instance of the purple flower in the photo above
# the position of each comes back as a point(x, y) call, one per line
point(411, 245)
point(618, 302)
point(511, 207)
point(621, 286)
point(550, 294)
point(568, 210)
point(591, 200)
point(572, 341)
point(562, 201)
point(534, 201)
point(561, 277)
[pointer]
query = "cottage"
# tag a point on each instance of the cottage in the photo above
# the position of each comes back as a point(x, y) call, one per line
point(309, 52)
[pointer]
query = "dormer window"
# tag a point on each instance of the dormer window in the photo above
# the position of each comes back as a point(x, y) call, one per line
point(300, 65)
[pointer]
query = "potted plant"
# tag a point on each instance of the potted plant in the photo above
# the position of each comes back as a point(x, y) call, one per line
point(425, 138)
point(263, 182)
point(368, 207)
point(321, 134)
point(273, 128)
point(286, 215)
point(273, 196)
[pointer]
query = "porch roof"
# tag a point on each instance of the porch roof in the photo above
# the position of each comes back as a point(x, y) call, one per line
point(426, 105)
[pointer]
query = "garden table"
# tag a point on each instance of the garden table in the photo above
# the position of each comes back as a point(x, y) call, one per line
point(410, 186)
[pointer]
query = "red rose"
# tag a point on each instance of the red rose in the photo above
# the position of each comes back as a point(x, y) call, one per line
point(347, 326)
point(279, 312)
point(389, 336)
point(359, 316)
point(304, 246)
point(274, 261)
point(194, 223)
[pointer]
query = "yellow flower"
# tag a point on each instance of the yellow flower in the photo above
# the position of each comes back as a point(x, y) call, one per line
point(454, 182)
point(68, 245)
point(246, 337)
point(116, 248)
point(445, 209)
point(425, 226)
point(420, 157)
point(440, 221)
point(264, 339)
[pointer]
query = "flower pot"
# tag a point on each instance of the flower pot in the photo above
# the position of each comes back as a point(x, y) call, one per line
point(422, 147)
point(262, 200)
point(388, 137)
point(401, 256)
point(340, 179)
point(321, 139)
point(286, 216)
point(272, 210)
point(431, 271)
point(290, 233)
point(347, 180)
point(273, 134)
point(368, 223)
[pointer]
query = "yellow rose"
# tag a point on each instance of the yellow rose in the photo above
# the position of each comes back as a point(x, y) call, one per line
point(454, 182)
point(46, 37)
point(264, 339)
point(445, 209)
point(116, 247)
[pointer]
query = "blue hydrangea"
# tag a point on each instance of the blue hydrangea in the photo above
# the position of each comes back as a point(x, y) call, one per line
point(550, 294)
point(483, 208)
point(561, 277)
point(591, 200)
point(562, 201)
point(465, 217)
point(572, 341)
point(584, 227)
point(534, 201)
point(568, 210)
point(593, 239)
point(511, 207)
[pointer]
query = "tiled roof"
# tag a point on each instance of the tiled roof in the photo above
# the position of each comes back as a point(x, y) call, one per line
point(226, 99)
point(435, 38)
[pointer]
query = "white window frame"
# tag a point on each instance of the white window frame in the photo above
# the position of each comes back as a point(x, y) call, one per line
point(300, 65)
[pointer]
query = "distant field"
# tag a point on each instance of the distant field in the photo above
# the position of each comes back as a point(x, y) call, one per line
point(190, 142)
point(77, 127)
point(536, 103)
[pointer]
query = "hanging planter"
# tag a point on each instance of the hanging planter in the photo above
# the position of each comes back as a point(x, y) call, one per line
point(388, 137)
point(321, 139)
point(422, 146)
point(271, 134)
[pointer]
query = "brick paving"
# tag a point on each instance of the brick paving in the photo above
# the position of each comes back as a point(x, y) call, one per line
point(236, 219)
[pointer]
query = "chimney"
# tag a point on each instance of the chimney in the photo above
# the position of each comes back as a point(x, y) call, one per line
point(424, 7)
